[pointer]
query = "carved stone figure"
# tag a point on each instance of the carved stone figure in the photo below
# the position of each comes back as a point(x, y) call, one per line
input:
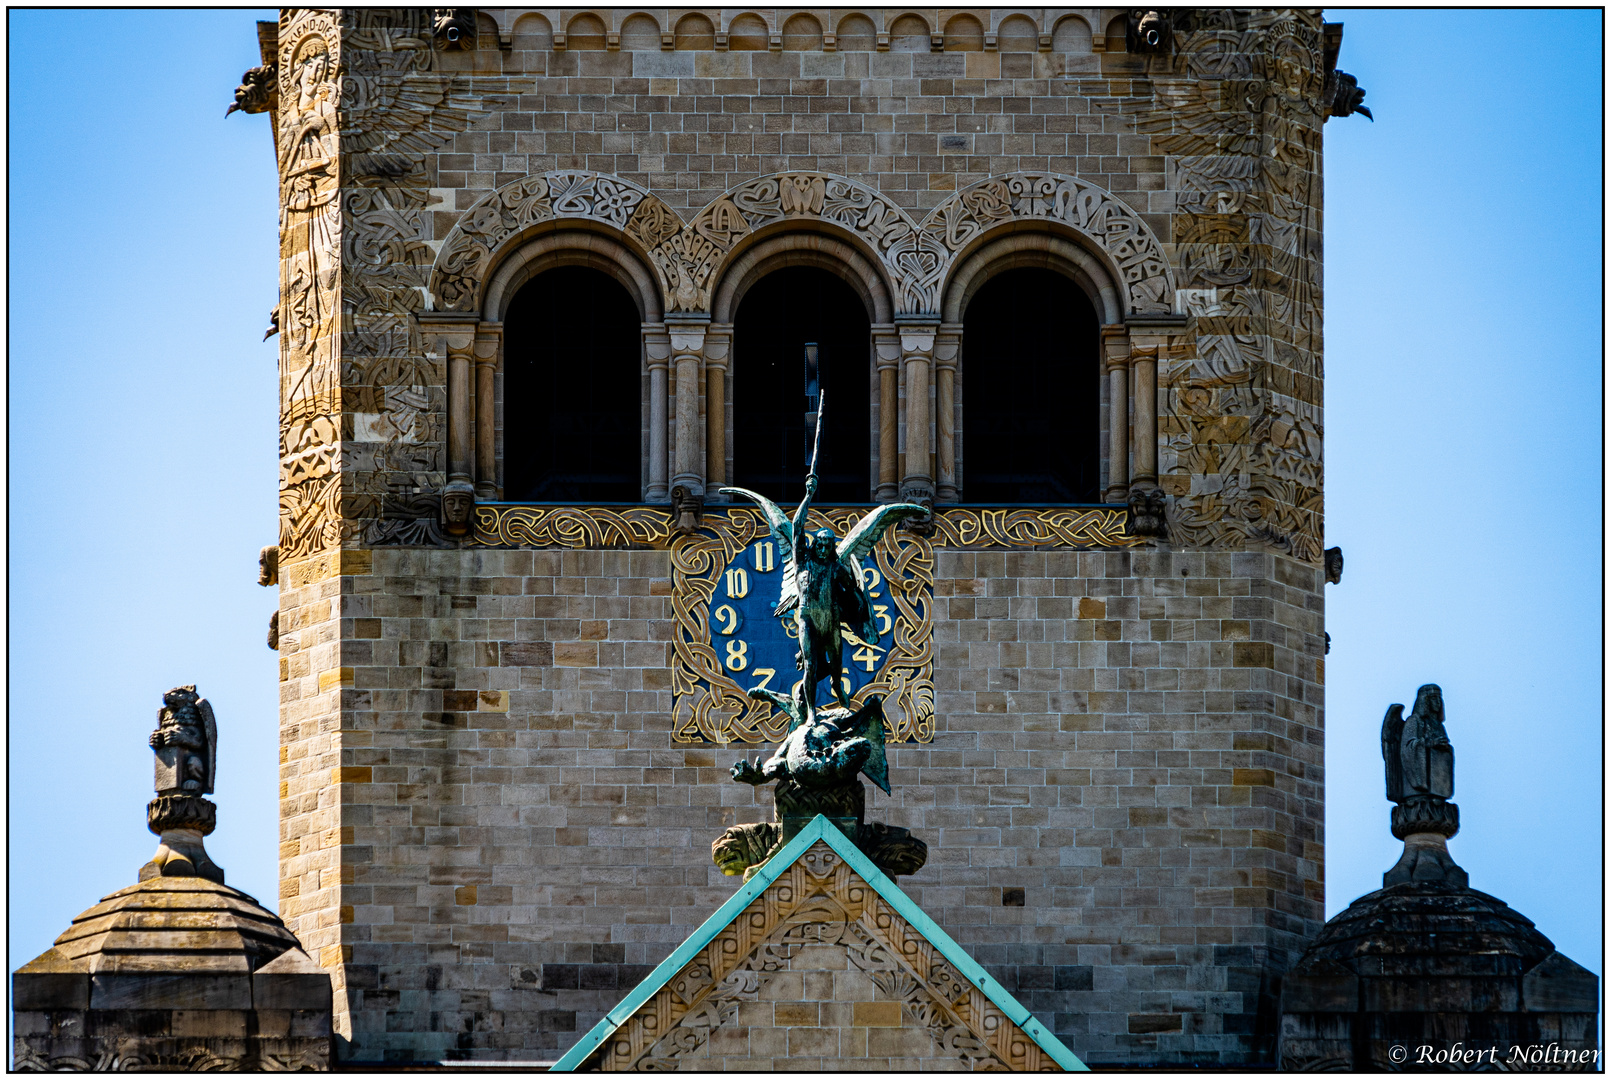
point(1334, 565)
point(259, 91)
point(1147, 513)
point(1148, 32)
point(458, 502)
point(274, 324)
point(1343, 96)
point(186, 747)
point(1419, 762)
point(453, 28)
point(268, 565)
point(185, 743)
point(274, 632)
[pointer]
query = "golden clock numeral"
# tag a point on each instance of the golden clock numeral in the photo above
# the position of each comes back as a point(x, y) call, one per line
point(765, 557)
point(726, 614)
point(885, 623)
point(737, 655)
point(738, 583)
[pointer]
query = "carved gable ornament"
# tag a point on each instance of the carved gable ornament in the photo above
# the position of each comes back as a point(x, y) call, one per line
point(688, 258)
point(819, 946)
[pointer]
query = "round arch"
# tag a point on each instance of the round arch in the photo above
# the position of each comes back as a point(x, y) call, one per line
point(571, 247)
point(1101, 226)
point(766, 253)
point(501, 222)
point(1022, 244)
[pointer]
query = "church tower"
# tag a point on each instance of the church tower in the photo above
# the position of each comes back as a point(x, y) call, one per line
point(550, 278)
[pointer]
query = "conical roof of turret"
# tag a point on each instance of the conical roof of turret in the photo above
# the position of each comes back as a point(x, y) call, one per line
point(1428, 928)
point(172, 924)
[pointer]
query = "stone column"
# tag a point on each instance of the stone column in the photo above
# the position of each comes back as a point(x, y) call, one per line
point(1116, 356)
point(657, 356)
point(687, 480)
point(461, 405)
point(1148, 339)
point(718, 346)
point(1144, 363)
point(488, 349)
point(887, 353)
point(917, 354)
point(947, 350)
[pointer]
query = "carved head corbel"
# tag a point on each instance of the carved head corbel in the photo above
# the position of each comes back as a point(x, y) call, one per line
point(458, 503)
point(1147, 516)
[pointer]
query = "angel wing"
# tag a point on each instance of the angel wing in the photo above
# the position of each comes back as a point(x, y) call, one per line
point(849, 592)
point(209, 727)
point(860, 540)
point(782, 530)
point(1392, 735)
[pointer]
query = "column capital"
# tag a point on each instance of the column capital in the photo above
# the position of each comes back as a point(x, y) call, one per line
point(687, 341)
point(947, 347)
point(718, 344)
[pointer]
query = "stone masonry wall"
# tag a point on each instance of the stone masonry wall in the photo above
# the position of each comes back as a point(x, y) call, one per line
point(1131, 739)
point(487, 831)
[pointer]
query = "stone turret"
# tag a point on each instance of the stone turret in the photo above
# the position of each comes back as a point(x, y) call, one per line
point(179, 971)
point(1426, 972)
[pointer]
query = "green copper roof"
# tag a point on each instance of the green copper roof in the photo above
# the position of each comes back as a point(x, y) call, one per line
point(819, 829)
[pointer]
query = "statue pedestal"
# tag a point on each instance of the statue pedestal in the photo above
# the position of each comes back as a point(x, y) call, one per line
point(180, 822)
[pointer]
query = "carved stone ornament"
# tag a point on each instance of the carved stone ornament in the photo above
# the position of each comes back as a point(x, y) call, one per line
point(453, 28)
point(268, 565)
point(686, 508)
point(1344, 97)
point(259, 91)
point(687, 258)
point(1334, 565)
point(186, 748)
point(1147, 517)
point(1419, 762)
point(819, 900)
point(1148, 32)
point(458, 502)
point(274, 631)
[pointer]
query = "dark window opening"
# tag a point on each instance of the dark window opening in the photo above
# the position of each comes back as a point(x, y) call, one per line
point(572, 415)
point(1032, 392)
point(779, 316)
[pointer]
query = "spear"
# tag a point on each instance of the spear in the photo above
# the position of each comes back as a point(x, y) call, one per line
point(816, 438)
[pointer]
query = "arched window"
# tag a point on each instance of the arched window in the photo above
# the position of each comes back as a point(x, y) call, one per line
point(777, 318)
point(572, 378)
point(1031, 390)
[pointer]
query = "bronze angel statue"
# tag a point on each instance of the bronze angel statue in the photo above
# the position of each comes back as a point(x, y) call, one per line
point(823, 583)
point(815, 769)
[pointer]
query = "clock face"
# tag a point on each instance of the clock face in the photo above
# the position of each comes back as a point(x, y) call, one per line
point(758, 649)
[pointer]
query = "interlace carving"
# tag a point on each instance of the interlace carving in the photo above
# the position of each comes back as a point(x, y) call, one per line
point(819, 900)
point(686, 257)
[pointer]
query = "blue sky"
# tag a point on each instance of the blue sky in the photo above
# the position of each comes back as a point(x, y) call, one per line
point(1463, 445)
